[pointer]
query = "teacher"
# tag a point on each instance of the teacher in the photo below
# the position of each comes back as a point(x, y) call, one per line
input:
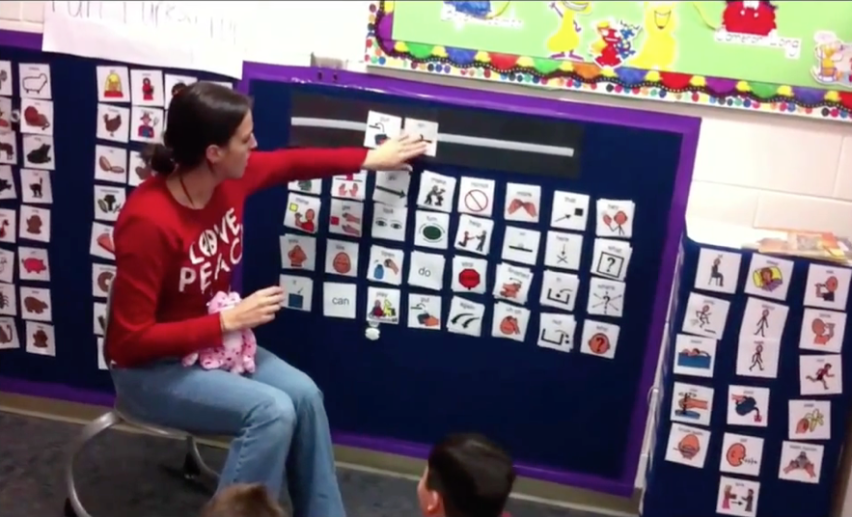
point(177, 241)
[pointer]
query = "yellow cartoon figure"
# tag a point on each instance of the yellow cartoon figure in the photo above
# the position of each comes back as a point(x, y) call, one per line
point(562, 43)
point(658, 49)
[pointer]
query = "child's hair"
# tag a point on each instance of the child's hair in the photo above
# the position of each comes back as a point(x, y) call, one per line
point(243, 501)
point(472, 474)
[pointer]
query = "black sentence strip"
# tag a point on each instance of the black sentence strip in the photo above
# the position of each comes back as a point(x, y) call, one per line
point(307, 102)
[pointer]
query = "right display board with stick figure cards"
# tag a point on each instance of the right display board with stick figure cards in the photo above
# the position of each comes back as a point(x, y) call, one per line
point(752, 417)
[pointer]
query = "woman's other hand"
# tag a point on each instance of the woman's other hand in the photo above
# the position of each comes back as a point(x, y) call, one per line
point(393, 154)
point(257, 309)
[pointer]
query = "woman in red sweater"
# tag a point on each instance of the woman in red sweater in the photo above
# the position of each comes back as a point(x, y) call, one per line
point(177, 240)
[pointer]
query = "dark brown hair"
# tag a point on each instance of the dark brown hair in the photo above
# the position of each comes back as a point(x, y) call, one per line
point(200, 115)
point(243, 501)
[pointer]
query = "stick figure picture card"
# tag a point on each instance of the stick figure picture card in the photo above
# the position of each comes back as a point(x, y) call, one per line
point(40, 338)
point(470, 275)
point(389, 222)
point(820, 374)
point(8, 334)
point(424, 311)
point(426, 131)
point(298, 292)
point(822, 330)
point(741, 454)
point(687, 445)
point(392, 187)
point(694, 356)
point(8, 147)
point(614, 218)
point(737, 497)
point(570, 211)
point(341, 258)
point(36, 82)
point(474, 235)
point(110, 164)
point(33, 264)
point(717, 271)
point(113, 84)
point(431, 229)
point(556, 331)
point(383, 305)
point(302, 212)
point(349, 186)
point(476, 196)
point(385, 265)
point(427, 270)
point(38, 152)
point(37, 117)
point(827, 286)
point(705, 315)
point(606, 298)
point(436, 192)
point(147, 88)
point(113, 123)
point(748, 406)
point(523, 203)
point(801, 462)
point(298, 252)
point(769, 277)
point(312, 187)
point(512, 283)
point(764, 320)
point(691, 403)
point(611, 258)
point(35, 223)
point(809, 420)
point(8, 300)
point(346, 217)
point(521, 245)
point(559, 290)
point(146, 124)
point(563, 250)
point(7, 183)
point(6, 84)
point(758, 357)
point(174, 84)
point(510, 322)
point(465, 317)
point(339, 300)
point(599, 339)
point(381, 127)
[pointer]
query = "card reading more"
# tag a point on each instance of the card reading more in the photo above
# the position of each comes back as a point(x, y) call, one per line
point(474, 235)
point(687, 445)
point(426, 270)
point(556, 331)
point(512, 283)
point(510, 322)
point(469, 275)
point(741, 454)
point(424, 311)
point(694, 355)
point(339, 300)
point(559, 290)
point(611, 258)
point(737, 497)
point(302, 212)
point(717, 271)
point(570, 211)
point(764, 320)
point(465, 317)
point(380, 127)
point(385, 265)
point(758, 357)
point(801, 462)
point(383, 305)
point(341, 258)
point(563, 250)
point(436, 192)
point(827, 286)
point(425, 131)
point(748, 406)
point(769, 277)
point(822, 330)
point(691, 403)
point(40, 338)
point(809, 420)
point(298, 292)
point(599, 339)
point(820, 374)
point(476, 196)
point(705, 315)
point(523, 203)
point(298, 252)
point(8, 334)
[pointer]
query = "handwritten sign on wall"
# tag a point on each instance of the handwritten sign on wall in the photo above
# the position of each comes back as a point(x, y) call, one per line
point(193, 35)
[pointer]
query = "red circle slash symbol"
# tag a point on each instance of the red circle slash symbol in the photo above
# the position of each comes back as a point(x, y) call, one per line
point(476, 200)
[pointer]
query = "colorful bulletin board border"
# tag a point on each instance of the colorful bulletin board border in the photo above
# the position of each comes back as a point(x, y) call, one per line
point(383, 51)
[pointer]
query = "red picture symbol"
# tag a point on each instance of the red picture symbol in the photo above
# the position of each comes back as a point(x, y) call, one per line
point(469, 278)
point(616, 222)
point(599, 343)
point(476, 201)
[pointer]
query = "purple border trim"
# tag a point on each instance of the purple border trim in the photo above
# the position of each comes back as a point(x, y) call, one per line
point(688, 127)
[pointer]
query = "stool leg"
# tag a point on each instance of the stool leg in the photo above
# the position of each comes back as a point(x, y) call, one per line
point(73, 506)
point(194, 465)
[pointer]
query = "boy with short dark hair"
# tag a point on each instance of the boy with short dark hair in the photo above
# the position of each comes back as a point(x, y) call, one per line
point(467, 475)
point(243, 501)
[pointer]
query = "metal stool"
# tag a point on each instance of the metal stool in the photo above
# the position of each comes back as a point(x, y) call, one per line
point(193, 465)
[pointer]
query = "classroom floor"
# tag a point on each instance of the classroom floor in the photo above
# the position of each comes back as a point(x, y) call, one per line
point(128, 474)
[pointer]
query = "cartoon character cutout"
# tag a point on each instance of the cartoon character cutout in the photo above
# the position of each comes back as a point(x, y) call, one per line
point(563, 43)
point(833, 59)
point(615, 43)
point(756, 18)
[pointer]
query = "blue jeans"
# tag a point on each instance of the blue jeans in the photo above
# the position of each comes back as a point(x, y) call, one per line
point(267, 412)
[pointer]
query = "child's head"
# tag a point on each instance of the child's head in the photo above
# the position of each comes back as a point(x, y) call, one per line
point(467, 476)
point(243, 501)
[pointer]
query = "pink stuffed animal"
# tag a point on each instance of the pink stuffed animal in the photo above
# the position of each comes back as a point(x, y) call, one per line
point(238, 348)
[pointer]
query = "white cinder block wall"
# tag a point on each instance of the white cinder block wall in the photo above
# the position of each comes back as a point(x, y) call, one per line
point(751, 169)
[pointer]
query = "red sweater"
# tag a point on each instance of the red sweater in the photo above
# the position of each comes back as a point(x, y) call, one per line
point(171, 259)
